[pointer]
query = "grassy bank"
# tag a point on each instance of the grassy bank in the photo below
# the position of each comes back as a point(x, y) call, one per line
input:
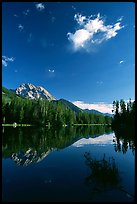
point(15, 125)
point(89, 124)
point(22, 125)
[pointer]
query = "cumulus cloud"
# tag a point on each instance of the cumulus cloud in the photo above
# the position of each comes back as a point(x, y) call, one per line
point(6, 60)
point(121, 62)
point(111, 31)
point(40, 6)
point(102, 107)
point(79, 18)
point(79, 38)
point(92, 31)
point(20, 27)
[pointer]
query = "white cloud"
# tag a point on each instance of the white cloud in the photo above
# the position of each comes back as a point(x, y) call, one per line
point(120, 19)
point(101, 106)
point(5, 60)
point(95, 25)
point(99, 83)
point(121, 62)
point(111, 31)
point(20, 27)
point(53, 19)
point(73, 7)
point(79, 38)
point(4, 63)
point(132, 100)
point(79, 18)
point(51, 71)
point(40, 6)
point(15, 15)
point(30, 37)
point(26, 12)
point(92, 31)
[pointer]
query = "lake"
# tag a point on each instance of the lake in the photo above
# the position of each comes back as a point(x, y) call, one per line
point(76, 164)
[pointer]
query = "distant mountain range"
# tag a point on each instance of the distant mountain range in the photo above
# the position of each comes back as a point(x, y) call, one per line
point(98, 112)
point(69, 105)
point(38, 92)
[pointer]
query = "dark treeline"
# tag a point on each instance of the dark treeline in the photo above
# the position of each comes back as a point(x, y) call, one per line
point(124, 118)
point(124, 141)
point(43, 112)
point(123, 124)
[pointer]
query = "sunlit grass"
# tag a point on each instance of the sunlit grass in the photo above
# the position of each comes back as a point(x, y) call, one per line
point(16, 125)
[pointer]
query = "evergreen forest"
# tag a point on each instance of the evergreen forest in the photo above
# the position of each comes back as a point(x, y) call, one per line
point(43, 112)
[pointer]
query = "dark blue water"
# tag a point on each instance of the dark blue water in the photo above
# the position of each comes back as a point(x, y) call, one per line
point(41, 165)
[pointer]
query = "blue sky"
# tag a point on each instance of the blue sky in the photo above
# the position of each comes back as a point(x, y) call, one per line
point(80, 51)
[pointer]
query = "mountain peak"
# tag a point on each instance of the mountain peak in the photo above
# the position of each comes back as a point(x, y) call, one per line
point(28, 90)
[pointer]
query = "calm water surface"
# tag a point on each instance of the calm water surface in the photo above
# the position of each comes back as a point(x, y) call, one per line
point(51, 165)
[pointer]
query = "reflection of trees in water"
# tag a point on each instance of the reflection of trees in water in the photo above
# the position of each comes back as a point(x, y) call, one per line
point(44, 139)
point(92, 131)
point(104, 175)
point(123, 141)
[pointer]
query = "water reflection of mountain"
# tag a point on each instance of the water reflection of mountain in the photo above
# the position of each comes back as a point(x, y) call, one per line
point(28, 157)
point(29, 145)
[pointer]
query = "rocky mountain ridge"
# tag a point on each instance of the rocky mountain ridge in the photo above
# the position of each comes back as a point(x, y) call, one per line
point(33, 92)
